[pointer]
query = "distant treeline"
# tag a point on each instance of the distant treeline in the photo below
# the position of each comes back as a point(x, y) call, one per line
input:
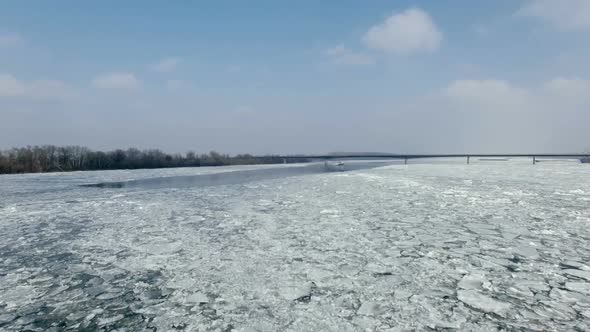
point(49, 158)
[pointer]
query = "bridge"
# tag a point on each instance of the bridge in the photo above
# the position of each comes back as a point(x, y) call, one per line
point(406, 157)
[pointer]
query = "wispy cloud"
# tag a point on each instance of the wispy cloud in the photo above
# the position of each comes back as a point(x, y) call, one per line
point(571, 91)
point(564, 14)
point(233, 69)
point(404, 33)
point(175, 85)
point(344, 56)
point(482, 30)
point(42, 89)
point(10, 86)
point(51, 89)
point(116, 81)
point(167, 65)
point(244, 110)
point(10, 39)
point(497, 95)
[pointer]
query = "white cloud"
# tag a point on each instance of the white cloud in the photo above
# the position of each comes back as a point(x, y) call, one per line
point(167, 65)
point(552, 97)
point(50, 89)
point(407, 32)
point(497, 115)
point(11, 87)
point(10, 39)
point(567, 93)
point(233, 69)
point(499, 92)
point(564, 14)
point(244, 110)
point(175, 85)
point(117, 81)
point(487, 94)
point(344, 56)
point(574, 87)
point(482, 30)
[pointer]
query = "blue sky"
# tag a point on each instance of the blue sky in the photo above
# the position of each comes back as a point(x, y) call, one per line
point(305, 76)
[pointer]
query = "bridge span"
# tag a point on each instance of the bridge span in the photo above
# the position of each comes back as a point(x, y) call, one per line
point(406, 157)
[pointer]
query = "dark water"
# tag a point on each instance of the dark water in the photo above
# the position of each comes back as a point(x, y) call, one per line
point(237, 177)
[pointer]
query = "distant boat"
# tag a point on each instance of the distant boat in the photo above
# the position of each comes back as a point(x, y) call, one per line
point(585, 160)
point(331, 167)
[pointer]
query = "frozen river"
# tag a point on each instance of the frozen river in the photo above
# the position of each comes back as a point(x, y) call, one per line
point(487, 246)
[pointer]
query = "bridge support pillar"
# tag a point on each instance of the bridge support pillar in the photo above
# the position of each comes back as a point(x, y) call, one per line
point(467, 160)
point(406, 161)
point(534, 160)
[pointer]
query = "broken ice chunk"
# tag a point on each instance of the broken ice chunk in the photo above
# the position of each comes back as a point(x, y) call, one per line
point(526, 251)
point(575, 265)
point(473, 281)
point(402, 295)
point(510, 235)
point(198, 298)
point(377, 269)
point(300, 293)
point(482, 302)
point(6, 318)
point(585, 313)
point(482, 229)
point(348, 301)
point(577, 273)
point(109, 320)
point(520, 292)
point(370, 309)
point(563, 296)
point(108, 296)
point(580, 287)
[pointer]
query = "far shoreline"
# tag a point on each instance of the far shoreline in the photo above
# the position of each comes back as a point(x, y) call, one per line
point(59, 159)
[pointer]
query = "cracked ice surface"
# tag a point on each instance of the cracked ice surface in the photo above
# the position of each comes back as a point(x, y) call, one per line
point(429, 246)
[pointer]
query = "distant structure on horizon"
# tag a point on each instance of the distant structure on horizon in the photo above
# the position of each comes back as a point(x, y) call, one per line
point(582, 157)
